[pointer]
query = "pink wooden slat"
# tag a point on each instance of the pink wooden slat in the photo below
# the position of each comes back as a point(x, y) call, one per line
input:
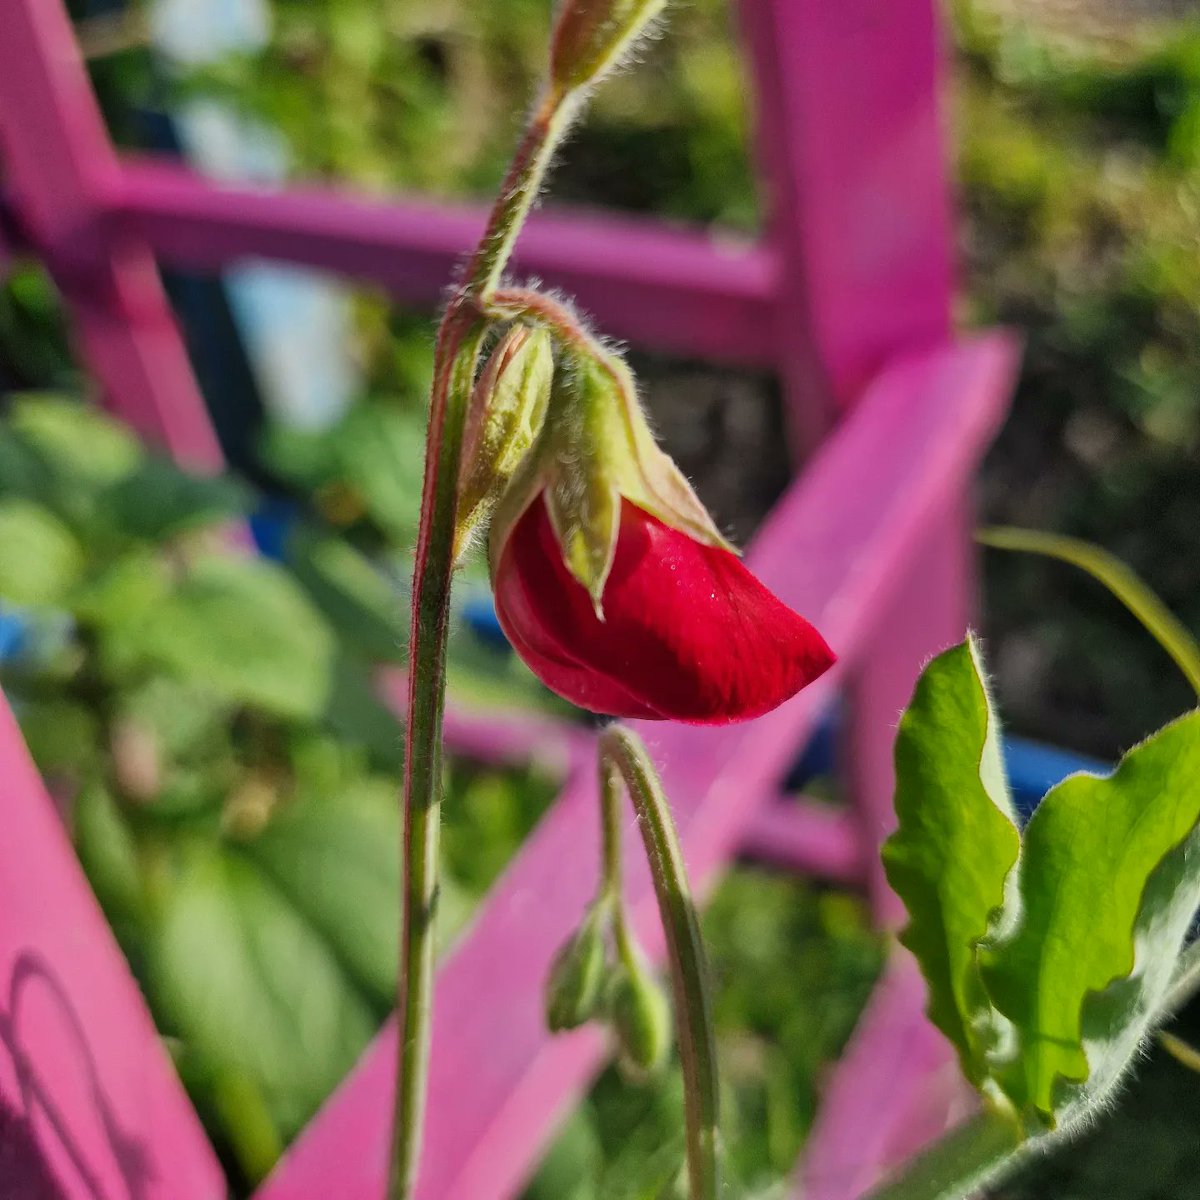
point(931, 608)
point(57, 163)
point(808, 838)
point(896, 1087)
point(834, 549)
point(675, 290)
point(849, 144)
point(87, 1094)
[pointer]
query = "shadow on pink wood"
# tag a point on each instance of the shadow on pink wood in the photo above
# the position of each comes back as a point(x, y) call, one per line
point(89, 1103)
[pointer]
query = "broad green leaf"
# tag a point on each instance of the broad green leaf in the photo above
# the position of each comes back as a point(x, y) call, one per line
point(40, 559)
point(108, 853)
point(358, 600)
point(244, 629)
point(158, 500)
point(956, 843)
point(119, 595)
point(78, 441)
point(250, 987)
point(62, 734)
point(380, 450)
point(1109, 880)
point(337, 859)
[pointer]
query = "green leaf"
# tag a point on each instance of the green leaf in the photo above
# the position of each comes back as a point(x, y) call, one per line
point(108, 854)
point(1109, 881)
point(337, 860)
point(251, 988)
point(158, 500)
point(77, 440)
point(380, 449)
point(956, 842)
point(40, 559)
point(62, 734)
point(358, 600)
point(1162, 625)
point(242, 628)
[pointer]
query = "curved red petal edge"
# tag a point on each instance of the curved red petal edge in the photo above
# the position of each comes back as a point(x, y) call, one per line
point(688, 634)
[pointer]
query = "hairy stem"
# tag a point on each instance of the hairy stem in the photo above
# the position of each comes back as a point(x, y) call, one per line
point(460, 338)
point(620, 749)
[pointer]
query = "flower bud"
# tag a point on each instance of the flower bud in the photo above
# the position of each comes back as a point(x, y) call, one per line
point(508, 406)
point(596, 449)
point(612, 582)
point(591, 36)
point(574, 985)
point(641, 1021)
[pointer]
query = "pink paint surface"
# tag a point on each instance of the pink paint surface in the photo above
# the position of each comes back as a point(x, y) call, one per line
point(90, 1108)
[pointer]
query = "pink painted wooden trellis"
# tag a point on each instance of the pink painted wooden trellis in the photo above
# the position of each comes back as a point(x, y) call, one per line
point(848, 296)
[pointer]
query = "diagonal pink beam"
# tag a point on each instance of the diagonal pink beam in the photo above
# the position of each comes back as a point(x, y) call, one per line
point(88, 1097)
point(833, 548)
point(670, 289)
point(57, 164)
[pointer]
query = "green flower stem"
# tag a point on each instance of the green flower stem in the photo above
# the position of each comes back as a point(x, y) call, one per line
point(1166, 629)
point(460, 338)
point(960, 1163)
point(622, 752)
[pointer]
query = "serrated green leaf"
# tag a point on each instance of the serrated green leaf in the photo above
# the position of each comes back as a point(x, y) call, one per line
point(40, 559)
point(1110, 878)
point(956, 842)
point(242, 628)
point(337, 859)
point(250, 987)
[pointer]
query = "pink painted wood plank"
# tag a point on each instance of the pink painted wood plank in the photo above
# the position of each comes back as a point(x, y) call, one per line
point(90, 1108)
point(676, 290)
point(808, 838)
point(849, 143)
point(931, 608)
point(58, 167)
point(500, 736)
point(834, 549)
point(895, 1089)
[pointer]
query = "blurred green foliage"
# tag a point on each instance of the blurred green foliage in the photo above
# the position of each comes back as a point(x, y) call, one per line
point(209, 720)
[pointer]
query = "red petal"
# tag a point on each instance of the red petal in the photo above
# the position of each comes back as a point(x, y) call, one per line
point(689, 634)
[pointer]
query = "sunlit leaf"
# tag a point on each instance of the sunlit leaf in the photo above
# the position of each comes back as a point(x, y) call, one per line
point(956, 843)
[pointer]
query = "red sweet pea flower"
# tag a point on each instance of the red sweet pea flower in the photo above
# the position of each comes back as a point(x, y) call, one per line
point(687, 632)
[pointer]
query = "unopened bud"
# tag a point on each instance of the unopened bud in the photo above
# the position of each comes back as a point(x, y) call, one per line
point(574, 986)
point(508, 406)
point(591, 36)
point(641, 1021)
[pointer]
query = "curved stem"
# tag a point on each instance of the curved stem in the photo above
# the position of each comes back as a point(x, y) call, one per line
point(460, 337)
point(622, 750)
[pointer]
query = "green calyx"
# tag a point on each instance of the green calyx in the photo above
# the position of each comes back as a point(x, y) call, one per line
point(594, 451)
point(591, 36)
point(508, 406)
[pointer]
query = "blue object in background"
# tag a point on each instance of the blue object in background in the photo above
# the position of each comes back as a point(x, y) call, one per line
point(1033, 769)
point(14, 632)
point(479, 616)
point(270, 525)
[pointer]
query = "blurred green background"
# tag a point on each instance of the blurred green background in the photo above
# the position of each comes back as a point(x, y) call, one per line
point(232, 787)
